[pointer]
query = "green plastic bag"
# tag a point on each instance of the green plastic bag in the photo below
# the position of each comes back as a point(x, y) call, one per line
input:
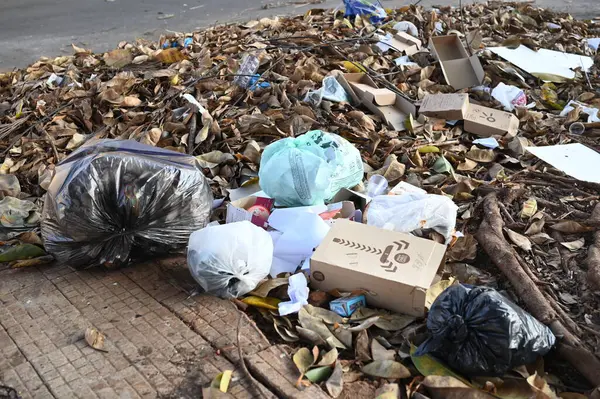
point(309, 169)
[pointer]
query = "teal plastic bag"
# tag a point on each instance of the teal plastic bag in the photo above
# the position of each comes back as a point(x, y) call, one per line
point(309, 169)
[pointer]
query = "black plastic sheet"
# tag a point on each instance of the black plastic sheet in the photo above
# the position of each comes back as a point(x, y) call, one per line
point(114, 199)
point(477, 331)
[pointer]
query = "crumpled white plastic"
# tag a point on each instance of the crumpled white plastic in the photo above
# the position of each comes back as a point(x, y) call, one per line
point(411, 211)
point(331, 90)
point(298, 293)
point(488, 142)
point(408, 27)
point(591, 112)
point(509, 96)
point(229, 260)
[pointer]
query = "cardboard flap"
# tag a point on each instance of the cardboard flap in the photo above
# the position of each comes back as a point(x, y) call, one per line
point(407, 39)
point(378, 96)
point(446, 48)
point(477, 68)
point(460, 74)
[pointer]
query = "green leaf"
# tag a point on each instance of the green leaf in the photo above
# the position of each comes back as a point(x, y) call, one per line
point(20, 252)
point(442, 165)
point(319, 374)
point(428, 365)
point(386, 369)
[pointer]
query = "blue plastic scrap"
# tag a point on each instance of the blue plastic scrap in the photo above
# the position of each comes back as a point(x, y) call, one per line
point(255, 84)
point(375, 12)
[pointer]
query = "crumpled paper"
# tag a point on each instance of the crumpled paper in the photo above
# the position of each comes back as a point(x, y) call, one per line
point(298, 292)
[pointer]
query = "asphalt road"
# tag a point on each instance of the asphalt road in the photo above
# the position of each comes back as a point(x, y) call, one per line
point(33, 28)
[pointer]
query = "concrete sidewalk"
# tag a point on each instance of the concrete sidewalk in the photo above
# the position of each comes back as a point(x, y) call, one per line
point(161, 342)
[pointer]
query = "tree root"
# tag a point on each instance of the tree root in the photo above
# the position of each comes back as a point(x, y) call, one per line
point(492, 240)
point(593, 258)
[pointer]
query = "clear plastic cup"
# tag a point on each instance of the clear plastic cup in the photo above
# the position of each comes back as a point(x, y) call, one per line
point(377, 185)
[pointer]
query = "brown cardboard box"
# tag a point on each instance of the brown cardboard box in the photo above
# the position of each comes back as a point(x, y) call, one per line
point(451, 107)
point(460, 70)
point(395, 268)
point(486, 122)
point(405, 43)
point(391, 107)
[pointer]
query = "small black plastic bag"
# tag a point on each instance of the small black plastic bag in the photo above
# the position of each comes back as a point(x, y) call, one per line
point(113, 199)
point(477, 331)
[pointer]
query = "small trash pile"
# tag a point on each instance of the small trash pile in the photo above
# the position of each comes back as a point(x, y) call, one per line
point(407, 197)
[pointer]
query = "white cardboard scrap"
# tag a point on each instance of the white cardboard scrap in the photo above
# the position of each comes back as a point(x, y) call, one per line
point(544, 61)
point(576, 160)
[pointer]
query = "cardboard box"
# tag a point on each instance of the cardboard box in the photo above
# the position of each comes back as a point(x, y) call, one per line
point(238, 211)
point(395, 268)
point(486, 122)
point(405, 43)
point(460, 70)
point(346, 306)
point(445, 106)
point(391, 107)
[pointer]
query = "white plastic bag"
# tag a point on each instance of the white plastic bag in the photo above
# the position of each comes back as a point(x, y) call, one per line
point(408, 27)
point(411, 211)
point(331, 90)
point(229, 260)
point(509, 96)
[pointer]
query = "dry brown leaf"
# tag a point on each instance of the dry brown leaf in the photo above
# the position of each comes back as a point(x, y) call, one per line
point(118, 58)
point(95, 339)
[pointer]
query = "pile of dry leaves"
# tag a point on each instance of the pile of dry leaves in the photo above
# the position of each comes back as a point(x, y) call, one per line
point(519, 216)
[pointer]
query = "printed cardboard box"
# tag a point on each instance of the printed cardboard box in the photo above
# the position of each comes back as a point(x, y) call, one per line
point(396, 269)
point(486, 122)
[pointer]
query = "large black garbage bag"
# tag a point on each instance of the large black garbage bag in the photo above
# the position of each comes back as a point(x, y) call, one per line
point(112, 199)
point(477, 331)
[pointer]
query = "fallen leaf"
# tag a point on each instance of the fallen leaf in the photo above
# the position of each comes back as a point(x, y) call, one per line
point(519, 240)
point(95, 339)
point(570, 227)
point(335, 383)
point(20, 252)
point(319, 374)
point(388, 391)
point(264, 303)
point(362, 347)
point(465, 248)
point(435, 290)
point(76, 140)
point(428, 365)
point(467, 165)
point(329, 358)
point(317, 325)
point(42, 260)
point(353, 67)
point(541, 387)
point(310, 336)
point(263, 289)
point(118, 58)
point(378, 352)
point(170, 56)
point(393, 321)
point(480, 155)
point(442, 165)
point(303, 359)
point(225, 380)
point(567, 298)
point(447, 387)
point(327, 316)
point(574, 245)
point(386, 369)
point(429, 149)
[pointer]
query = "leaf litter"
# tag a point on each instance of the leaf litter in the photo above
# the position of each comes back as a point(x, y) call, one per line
point(182, 96)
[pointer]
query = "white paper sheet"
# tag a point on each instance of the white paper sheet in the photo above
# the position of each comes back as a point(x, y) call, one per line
point(576, 160)
point(544, 61)
point(301, 232)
